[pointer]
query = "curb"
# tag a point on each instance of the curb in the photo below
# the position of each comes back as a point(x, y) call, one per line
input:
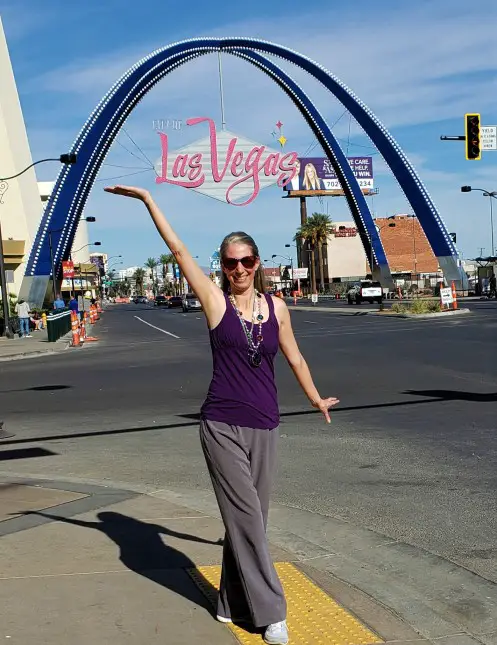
point(438, 314)
point(380, 314)
point(35, 354)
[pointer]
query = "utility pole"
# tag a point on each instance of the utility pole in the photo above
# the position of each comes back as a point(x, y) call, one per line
point(5, 296)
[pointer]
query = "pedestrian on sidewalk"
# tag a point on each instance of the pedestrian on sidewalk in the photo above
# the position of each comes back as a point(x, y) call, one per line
point(22, 310)
point(73, 305)
point(59, 303)
point(240, 416)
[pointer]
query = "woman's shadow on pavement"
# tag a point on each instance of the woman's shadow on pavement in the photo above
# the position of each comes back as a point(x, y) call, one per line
point(142, 550)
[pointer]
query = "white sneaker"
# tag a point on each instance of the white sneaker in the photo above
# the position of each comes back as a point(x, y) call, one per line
point(223, 619)
point(277, 634)
point(29, 336)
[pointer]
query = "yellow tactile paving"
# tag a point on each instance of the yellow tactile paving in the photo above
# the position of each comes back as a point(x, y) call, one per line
point(313, 617)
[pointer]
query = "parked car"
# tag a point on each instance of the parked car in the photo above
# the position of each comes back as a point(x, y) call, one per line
point(191, 303)
point(365, 290)
point(140, 300)
point(161, 301)
point(175, 301)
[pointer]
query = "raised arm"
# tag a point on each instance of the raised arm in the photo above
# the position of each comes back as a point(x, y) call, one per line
point(207, 292)
point(291, 351)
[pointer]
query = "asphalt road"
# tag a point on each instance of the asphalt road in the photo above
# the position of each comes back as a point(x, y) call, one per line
point(411, 451)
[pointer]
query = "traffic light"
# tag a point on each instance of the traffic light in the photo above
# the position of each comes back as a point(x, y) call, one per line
point(472, 131)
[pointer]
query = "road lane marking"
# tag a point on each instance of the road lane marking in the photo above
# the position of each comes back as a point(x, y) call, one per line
point(158, 328)
point(311, 322)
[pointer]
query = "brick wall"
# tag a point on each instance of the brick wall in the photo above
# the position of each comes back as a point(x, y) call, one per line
point(401, 241)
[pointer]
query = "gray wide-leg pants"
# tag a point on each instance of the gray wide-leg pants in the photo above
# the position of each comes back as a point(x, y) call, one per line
point(241, 463)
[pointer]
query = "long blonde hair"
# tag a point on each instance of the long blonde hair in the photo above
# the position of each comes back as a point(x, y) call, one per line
point(314, 183)
point(239, 237)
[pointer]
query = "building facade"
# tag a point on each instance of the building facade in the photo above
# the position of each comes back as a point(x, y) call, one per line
point(20, 204)
point(409, 253)
point(23, 199)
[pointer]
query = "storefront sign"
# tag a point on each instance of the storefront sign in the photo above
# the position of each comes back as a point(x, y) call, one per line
point(225, 166)
point(68, 269)
point(343, 231)
point(300, 273)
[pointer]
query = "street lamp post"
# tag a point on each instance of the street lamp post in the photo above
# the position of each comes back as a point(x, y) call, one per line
point(80, 249)
point(109, 268)
point(492, 194)
point(52, 262)
point(285, 258)
point(67, 159)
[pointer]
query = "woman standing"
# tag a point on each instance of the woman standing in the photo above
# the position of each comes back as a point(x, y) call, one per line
point(239, 418)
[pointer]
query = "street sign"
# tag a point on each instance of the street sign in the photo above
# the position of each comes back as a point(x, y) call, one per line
point(314, 298)
point(300, 273)
point(488, 137)
point(446, 296)
point(215, 262)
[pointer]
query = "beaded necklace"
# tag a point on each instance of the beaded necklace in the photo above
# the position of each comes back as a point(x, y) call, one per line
point(254, 354)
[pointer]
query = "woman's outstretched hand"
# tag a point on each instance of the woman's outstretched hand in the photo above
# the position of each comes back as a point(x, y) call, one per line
point(128, 191)
point(324, 405)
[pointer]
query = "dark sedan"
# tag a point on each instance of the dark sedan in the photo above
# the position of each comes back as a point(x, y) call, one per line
point(161, 301)
point(175, 301)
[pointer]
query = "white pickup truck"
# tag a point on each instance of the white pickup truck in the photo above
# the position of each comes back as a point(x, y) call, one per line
point(365, 291)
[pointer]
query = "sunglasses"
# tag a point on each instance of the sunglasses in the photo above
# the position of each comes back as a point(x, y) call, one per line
point(248, 262)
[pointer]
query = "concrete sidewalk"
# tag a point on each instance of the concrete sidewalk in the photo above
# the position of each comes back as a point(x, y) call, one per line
point(88, 564)
point(19, 348)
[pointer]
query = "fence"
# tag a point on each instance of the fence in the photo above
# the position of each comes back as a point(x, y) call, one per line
point(58, 325)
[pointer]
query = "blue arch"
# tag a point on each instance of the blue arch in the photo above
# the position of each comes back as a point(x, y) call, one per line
point(353, 193)
point(74, 182)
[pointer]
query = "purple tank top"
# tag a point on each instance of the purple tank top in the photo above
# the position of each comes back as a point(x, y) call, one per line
point(240, 394)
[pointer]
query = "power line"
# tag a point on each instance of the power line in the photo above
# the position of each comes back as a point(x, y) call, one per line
point(139, 172)
point(129, 151)
point(137, 146)
point(113, 165)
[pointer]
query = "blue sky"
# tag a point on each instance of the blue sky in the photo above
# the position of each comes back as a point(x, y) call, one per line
point(414, 64)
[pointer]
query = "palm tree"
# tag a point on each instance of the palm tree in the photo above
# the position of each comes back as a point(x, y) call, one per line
point(166, 259)
point(322, 226)
point(139, 277)
point(315, 232)
point(305, 237)
point(152, 264)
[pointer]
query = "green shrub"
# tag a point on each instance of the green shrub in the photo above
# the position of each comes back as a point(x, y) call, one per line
point(417, 307)
point(420, 307)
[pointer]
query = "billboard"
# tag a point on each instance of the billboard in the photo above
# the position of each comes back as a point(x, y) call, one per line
point(316, 176)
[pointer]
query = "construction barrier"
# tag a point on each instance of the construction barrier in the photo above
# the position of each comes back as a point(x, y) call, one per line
point(58, 325)
point(82, 327)
point(75, 329)
point(454, 296)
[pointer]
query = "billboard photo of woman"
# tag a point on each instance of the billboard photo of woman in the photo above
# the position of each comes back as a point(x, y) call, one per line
point(311, 179)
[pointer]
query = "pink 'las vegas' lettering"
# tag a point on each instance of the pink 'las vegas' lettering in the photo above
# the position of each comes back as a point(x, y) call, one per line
point(232, 169)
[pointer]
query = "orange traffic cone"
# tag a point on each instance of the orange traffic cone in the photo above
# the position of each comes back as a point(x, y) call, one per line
point(454, 295)
point(75, 329)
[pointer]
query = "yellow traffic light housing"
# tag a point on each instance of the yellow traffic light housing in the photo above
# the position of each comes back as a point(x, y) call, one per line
point(472, 132)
